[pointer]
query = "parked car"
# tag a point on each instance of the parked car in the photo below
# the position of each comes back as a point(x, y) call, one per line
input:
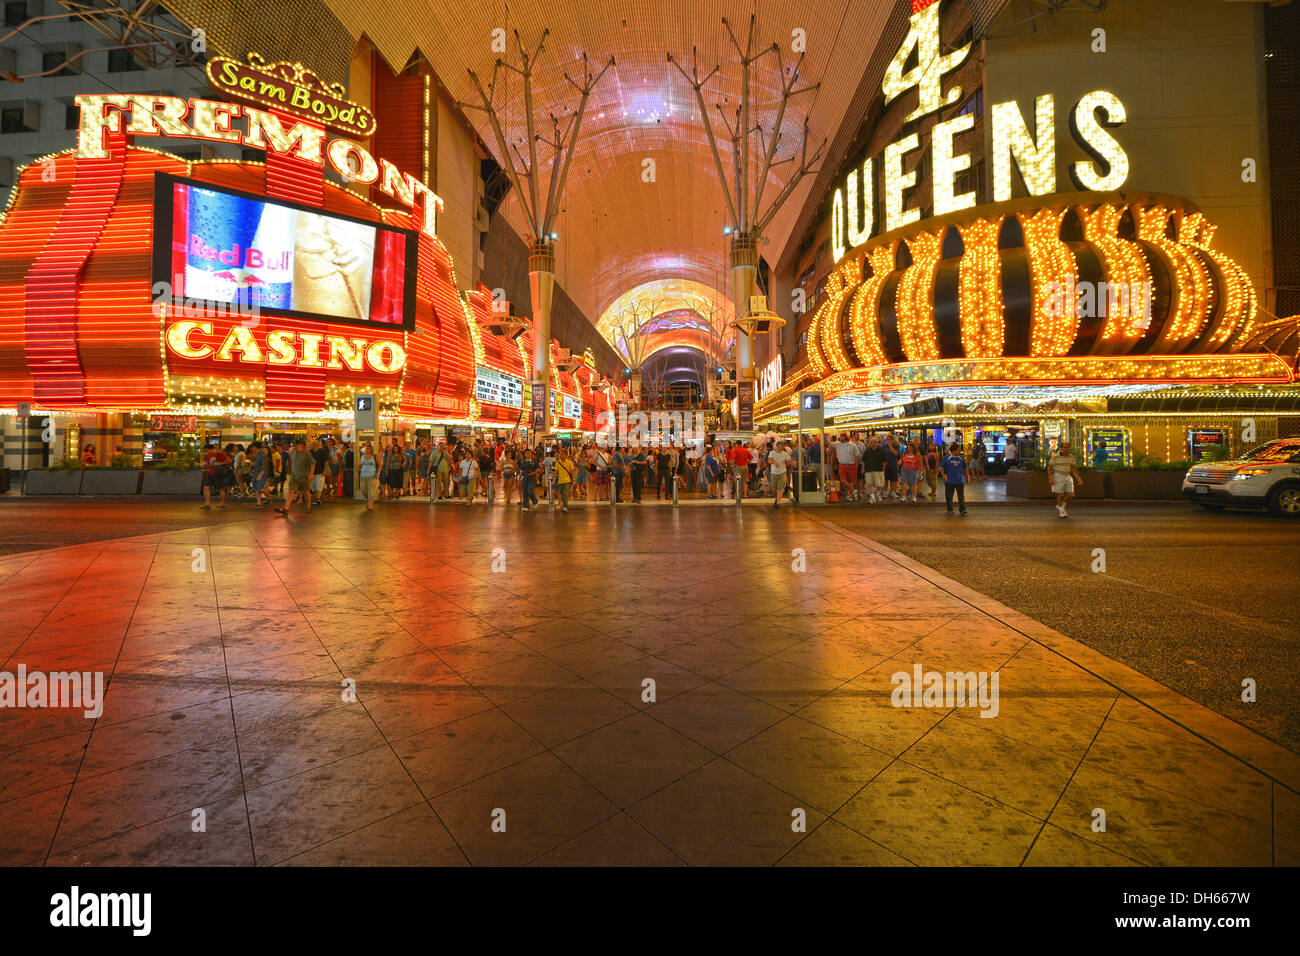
point(1264, 477)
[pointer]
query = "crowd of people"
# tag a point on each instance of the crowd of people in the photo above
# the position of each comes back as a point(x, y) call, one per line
point(872, 469)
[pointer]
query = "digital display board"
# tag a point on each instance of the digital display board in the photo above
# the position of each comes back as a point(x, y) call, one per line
point(571, 408)
point(498, 387)
point(235, 249)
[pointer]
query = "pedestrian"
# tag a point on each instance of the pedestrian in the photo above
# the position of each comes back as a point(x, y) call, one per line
point(301, 467)
point(565, 470)
point(909, 471)
point(739, 458)
point(932, 471)
point(847, 454)
point(778, 460)
point(528, 468)
point(217, 474)
point(469, 475)
point(892, 454)
point(1065, 477)
point(711, 471)
point(637, 462)
point(954, 477)
point(319, 457)
point(261, 472)
point(873, 469)
point(619, 472)
point(368, 473)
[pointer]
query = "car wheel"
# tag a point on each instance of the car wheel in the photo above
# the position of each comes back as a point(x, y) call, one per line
point(1210, 507)
point(1285, 501)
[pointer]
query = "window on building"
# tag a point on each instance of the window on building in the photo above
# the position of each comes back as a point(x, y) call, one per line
point(53, 63)
point(120, 61)
point(12, 120)
point(973, 105)
point(71, 116)
point(16, 13)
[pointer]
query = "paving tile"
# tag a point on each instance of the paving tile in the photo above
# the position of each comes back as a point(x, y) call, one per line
point(545, 804)
point(455, 753)
point(618, 841)
point(134, 796)
point(833, 844)
point(716, 716)
point(782, 685)
point(301, 812)
point(567, 711)
point(1158, 827)
point(411, 837)
point(627, 681)
point(632, 758)
point(816, 765)
point(1003, 768)
point(219, 838)
point(721, 815)
point(916, 815)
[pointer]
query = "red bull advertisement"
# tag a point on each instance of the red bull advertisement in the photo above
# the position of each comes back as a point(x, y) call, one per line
point(239, 250)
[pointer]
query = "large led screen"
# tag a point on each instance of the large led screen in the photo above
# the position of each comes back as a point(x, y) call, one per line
point(236, 249)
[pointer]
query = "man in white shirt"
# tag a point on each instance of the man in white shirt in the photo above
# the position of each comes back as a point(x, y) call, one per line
point(847, 455)
point(1065, 478)
point(778, 459)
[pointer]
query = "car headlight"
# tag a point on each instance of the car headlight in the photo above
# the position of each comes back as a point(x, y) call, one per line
point(1247, 473)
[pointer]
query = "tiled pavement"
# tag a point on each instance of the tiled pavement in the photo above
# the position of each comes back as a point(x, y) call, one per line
point(520, 696)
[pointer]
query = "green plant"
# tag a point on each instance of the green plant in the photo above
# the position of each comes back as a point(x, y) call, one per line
point(67, 464)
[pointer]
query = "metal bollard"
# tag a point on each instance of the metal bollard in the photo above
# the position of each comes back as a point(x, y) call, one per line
point(673, 479)
point(737, 491)
point(491, 492)
point(550, 492)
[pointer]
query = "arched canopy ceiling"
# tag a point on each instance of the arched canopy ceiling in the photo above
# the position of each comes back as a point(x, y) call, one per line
point(667, 311)
point(618, 229)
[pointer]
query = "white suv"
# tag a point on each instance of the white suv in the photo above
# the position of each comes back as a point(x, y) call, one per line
point(1265, 477)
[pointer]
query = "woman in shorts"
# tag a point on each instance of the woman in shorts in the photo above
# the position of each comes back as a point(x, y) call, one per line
point(909, 471)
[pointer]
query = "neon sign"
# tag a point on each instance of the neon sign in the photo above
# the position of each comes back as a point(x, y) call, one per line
point(281, 347)
point(291, 87)
point(147, 114)
point(853, 204)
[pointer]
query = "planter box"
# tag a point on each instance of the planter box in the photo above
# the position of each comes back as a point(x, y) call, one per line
point(1028, 484)
point(111, 481)
point(1148, 485)
point(1038, 485)
point(41, 482)
point(158, 482)
point(1096, 484)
